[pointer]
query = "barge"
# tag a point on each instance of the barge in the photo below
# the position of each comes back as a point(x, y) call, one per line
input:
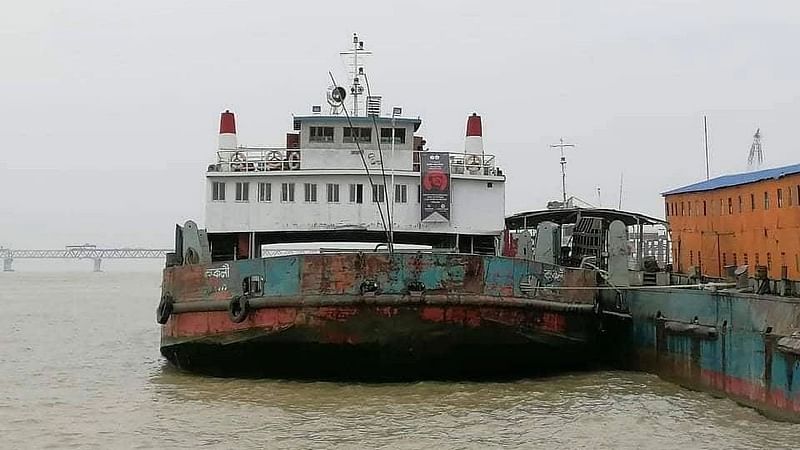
point(436, 292)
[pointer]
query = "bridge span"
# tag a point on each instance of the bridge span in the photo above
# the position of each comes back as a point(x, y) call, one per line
point(87, 251)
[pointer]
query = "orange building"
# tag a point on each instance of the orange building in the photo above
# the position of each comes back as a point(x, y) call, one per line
point(750, 218)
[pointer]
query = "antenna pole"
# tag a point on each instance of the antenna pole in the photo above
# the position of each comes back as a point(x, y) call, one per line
point(620, 192)
point(561, 146)
point(705, 133)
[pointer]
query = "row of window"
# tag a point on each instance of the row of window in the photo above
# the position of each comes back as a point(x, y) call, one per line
point(356, 191)
point(702, 208)
point(357, 134)
point(734, 261)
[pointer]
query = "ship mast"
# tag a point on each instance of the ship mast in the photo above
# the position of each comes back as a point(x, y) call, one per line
point(356, 70)
point(561, 146)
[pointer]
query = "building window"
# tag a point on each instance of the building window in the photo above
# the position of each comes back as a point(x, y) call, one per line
point(769, 262)
point(242, 192)
point(287, 192)
point(735, 262)
point(310, 192)
point(691, 257)
point(780, 198)
point(798, 195)
point(265, 192)
point(740, 204)
point(321, 134)
point(721, 210)
point(666, 209)
point(758, 261)
point(333, 193)
point(744, 259)
point(752, 202)
point(704, 208)
point(789, 194)
point(399, 135)
point(682, 210)
point(724, 259)
point(400, 193)
point(378, 193)
point(356, 193)
point(730, 206)
point(218, 191)
point(357, 135)
point(766, 200)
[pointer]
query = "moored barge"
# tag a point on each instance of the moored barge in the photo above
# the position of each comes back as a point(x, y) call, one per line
point(434, 294)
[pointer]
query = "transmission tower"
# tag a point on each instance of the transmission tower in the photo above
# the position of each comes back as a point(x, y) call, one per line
point(756, 158)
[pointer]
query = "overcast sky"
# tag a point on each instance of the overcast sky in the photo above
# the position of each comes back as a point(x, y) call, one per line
point(110, 108)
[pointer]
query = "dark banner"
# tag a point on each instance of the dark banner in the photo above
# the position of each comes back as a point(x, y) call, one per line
point(435, 185)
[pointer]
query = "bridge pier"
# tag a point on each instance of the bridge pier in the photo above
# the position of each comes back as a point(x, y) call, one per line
point(7, 265)
point(97, 264)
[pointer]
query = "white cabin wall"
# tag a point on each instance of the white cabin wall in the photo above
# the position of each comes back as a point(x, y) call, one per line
point(233, 216)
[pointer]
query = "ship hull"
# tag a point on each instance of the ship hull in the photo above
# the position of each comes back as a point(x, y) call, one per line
point(379, 316)
point(386, 342)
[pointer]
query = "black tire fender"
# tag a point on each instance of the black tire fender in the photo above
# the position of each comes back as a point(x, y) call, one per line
point(164, 309)
point(238, 309)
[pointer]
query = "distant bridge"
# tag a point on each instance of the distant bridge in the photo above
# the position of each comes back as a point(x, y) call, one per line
point(86, 251)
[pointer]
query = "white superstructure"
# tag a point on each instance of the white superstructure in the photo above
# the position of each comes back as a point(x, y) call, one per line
point(342, 176)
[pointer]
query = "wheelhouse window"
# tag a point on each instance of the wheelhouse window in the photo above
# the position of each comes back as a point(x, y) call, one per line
point(352, 135)
point(265, 192)
point(242, 192)
point(310, 192)
point(378, 193)
point(400, 193)
point(333, 193)
point(321, 134)
point(287, 192)
point(218, 191)
point(356, 193)
point(399, 135)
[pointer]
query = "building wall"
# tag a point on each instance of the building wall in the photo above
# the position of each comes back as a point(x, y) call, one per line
point(711, 229)
point(476, 208)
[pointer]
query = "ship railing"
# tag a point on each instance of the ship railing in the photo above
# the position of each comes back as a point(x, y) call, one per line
point(265, 159)
point(469, 164)
point(257, 159)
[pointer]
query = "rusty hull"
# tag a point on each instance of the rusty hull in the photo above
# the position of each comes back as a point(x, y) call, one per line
point(477, 316)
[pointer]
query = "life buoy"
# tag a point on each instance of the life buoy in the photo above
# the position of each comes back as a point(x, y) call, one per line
point(473, 164)
point(274, 159)
point(238, 309)
point(237, 162)
point(294, 160)
point(164, 309)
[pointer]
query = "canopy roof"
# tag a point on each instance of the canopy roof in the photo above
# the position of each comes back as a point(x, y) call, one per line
point(570, 215)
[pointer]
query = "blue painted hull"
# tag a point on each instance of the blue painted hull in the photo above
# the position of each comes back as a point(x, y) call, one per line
point(724, 343)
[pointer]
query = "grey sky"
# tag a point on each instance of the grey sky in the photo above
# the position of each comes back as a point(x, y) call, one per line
point(110, 108)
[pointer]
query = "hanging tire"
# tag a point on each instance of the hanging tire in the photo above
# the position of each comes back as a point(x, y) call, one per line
point(238, 309)
point(164, 309)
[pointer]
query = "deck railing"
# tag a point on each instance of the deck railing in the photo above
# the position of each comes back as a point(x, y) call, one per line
point(267, 159)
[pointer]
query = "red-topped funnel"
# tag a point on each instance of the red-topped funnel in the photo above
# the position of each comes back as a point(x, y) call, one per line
point(227, 130)
point(474, 142)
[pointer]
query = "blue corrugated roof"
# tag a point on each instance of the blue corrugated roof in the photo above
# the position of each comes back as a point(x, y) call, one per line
point(737, 179)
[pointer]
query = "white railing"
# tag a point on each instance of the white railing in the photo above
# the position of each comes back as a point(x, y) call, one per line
point(266, 159)
point(257, 159)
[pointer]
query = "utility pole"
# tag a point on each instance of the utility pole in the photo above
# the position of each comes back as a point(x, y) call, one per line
point(705, 134)
point(561, 146)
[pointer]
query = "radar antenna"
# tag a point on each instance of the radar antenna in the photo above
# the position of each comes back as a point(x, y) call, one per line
point(756, 157)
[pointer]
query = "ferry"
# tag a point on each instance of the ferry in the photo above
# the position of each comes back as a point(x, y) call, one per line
point(356, 251)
